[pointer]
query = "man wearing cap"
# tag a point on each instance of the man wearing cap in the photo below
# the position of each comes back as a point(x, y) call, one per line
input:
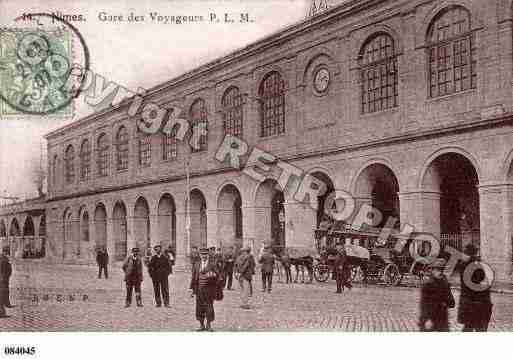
point(159, 269)
point(475, 306)
point(435, 300)
point(243, 273)
point(204, 282)
point(5, 275)
point(132, 266)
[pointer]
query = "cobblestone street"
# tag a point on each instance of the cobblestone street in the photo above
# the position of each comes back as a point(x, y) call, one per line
point(313, 307)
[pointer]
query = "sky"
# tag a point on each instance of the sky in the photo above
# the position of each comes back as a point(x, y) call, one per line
point(133, 54)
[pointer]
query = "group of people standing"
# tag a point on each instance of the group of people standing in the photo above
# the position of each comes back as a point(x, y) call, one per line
point(213, 270)
point(475, 305)
point(160, 266)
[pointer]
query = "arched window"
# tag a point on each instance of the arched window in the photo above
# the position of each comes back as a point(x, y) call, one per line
point(232, 112)
point(451, 52)
point(85, 160)
point(272, 105)
point(144, 149)
point(169, 145)
point(378, 69)
point(122, 149)
point(69, 159)
point(103, 155)
point(198, 116)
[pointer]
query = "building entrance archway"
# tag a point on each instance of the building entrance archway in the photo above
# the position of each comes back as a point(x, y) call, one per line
point(455, 179)
point(378, 187)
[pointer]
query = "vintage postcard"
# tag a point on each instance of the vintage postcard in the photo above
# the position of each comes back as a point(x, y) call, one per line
point(242, 165)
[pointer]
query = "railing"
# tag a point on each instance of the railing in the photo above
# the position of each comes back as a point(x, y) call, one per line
point(460, 240)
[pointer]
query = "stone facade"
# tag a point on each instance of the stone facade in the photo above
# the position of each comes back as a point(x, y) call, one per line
point(422, 157)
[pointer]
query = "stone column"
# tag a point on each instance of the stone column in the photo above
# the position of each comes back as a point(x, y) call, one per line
point(421, 210)
point(248, 226)
point(111, 244)
point(75, 240)
point(19, 247)
point(496, 212)
point(92, 242)
point(155, 237)
point(300, 221)
point(212, 239)
point(182, 246)
point(261, 227)
point(131, 241)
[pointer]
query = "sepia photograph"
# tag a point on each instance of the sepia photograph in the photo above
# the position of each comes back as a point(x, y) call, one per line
point(255, 166)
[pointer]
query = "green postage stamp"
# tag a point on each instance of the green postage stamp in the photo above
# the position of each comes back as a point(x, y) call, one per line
point(35, 66)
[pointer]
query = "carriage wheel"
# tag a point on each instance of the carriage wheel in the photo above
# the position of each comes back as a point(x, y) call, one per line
point(391, 275)
point(321, 273)
point(357, 274)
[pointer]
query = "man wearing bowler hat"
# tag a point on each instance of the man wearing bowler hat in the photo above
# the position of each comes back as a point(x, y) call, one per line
point(132, 266)
point(204, 282)
point(159, 269)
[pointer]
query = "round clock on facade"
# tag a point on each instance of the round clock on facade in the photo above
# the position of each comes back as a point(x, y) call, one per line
point(322, 80)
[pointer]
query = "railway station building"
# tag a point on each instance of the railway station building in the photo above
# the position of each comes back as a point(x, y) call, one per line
point(405, 104)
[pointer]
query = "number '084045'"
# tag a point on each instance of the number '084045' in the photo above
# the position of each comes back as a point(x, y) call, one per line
point(19, 350)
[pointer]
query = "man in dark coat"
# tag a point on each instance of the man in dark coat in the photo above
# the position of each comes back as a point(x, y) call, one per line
point(132, 266)
point(5, 275)
point(341, 269)
point(204, 281)
point(475, 307)
point(159, 269)
point(267, 269)
point(229, 260)
point(102, 258)
point(435, 300)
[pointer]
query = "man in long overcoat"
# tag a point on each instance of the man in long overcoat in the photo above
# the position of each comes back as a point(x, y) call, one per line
point(159, 269)
point(475, 307)
point(132, 266)
point(204, 283)
point(5, 275)
point(435, 300)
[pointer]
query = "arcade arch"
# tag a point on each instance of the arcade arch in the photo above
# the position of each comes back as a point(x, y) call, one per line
point(454, 178)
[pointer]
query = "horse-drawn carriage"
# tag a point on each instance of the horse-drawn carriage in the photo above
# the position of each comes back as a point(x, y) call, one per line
point(367, 257)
